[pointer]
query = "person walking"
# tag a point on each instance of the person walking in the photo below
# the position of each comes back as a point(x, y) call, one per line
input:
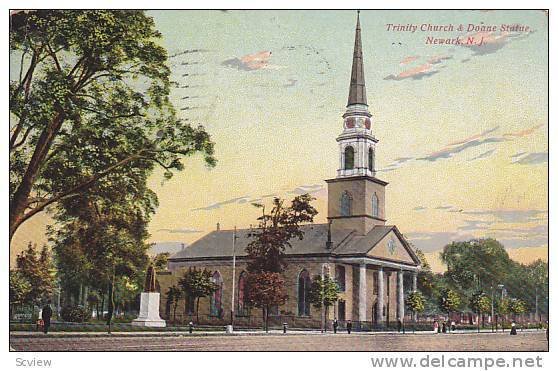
point(349, 326)
point(45, 316)
point(436, 327)
point(335, 326)
point(399, 325)
point(513, 329)
point(444, 327)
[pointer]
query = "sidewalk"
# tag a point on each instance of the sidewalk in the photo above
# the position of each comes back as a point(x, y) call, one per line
point(67, 334)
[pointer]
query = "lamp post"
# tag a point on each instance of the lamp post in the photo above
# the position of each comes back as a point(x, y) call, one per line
point(492, 307)
point(323, 301)
point(233, 276)
point(501, 287)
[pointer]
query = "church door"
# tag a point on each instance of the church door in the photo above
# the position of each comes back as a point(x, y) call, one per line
point(341, 310)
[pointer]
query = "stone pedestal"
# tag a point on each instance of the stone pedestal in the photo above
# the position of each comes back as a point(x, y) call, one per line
point(149, 311)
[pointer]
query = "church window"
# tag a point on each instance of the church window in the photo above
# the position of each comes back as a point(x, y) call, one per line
point(349, 158)
point(371, 159)
point(375, 211)
point(216, 305)
point(346, 204)
point(242, 302)
point(303, 293)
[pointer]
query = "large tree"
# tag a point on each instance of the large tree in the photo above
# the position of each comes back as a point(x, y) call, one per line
point(89, 98)
point(266, 251)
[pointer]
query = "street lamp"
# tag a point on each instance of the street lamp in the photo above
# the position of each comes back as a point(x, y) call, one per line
point(233, 276)
point(323, 298)
point(501, 287)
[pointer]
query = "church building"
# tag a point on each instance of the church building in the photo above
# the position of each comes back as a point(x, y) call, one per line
point(374, 265)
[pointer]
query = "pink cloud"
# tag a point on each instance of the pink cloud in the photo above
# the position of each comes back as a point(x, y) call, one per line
point(523, 133)
point(408, 60)
point(439, 58)
point(473, 137)
point(252, 62)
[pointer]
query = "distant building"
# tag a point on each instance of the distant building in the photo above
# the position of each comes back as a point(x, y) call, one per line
point(368, 258)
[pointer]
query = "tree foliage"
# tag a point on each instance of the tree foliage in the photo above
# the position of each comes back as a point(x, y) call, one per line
point(90, 99)
point(275, 230)
point(174, 294)
point(196, 284)
point(37, 268)
point(323, 292)
point(265, 290)
point(517, 306)
point(480, 302)
point(160, 261)
point(474, 261)
point(415, 301)
point(20, 288)
point(449, 300)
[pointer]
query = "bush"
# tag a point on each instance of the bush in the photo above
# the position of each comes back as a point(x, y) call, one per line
point(75, 314)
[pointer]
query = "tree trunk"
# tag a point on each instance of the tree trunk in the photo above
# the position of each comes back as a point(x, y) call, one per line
point(18, 205)
point(198, 310)
point(102, 305)
point(110, 303)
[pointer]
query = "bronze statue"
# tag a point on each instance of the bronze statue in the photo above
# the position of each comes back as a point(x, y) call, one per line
point(149, 280)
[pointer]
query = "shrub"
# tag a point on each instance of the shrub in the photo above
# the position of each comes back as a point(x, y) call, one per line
point(75, 314)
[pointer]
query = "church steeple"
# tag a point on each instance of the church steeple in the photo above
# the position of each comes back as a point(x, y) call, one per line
point(356, 198)
point(357, 89)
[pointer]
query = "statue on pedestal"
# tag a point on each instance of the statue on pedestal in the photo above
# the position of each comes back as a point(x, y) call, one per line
point(149, 285)
point(149, 304)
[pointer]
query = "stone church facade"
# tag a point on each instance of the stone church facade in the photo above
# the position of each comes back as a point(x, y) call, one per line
point(372, 262)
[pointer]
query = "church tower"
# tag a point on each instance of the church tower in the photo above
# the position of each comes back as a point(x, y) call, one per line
point(356, 198)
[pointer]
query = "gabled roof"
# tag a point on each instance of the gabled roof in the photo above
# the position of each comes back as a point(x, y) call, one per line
point(219, 244)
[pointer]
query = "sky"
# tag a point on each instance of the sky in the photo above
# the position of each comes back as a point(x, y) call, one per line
point(462, 129)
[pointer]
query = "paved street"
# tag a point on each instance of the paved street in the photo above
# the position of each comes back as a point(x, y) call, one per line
point(527, 341)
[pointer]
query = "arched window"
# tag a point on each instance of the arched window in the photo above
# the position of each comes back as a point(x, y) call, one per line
point(375, 211)
point(216, 308)
point(241, 305)
point(346, 204)
point(371, 159)
point(349, 158)
point(303, 290)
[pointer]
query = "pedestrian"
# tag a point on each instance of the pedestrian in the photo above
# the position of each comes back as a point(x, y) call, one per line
point(444, 327)
point(513, 329)
point(436, 327)
point(349, 326)
point(399, 325)
point(335, 325)
point(45, 315)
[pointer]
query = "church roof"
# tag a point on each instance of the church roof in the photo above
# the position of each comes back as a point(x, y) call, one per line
point(218, 244)
point(357, 90)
